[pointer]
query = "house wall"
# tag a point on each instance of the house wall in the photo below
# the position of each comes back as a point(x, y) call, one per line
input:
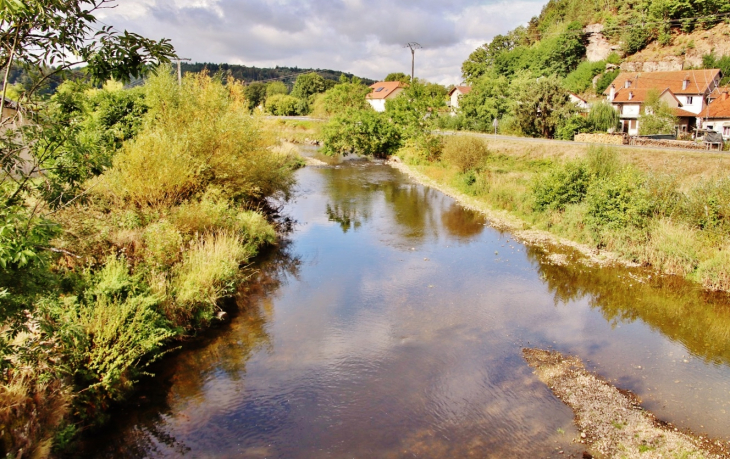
point(377, 104)
point(631, 110)
point(721, 125)
point(455, 99)
point(695, 106)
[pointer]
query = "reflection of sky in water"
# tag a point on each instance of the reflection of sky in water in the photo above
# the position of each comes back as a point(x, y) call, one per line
point(401, 334)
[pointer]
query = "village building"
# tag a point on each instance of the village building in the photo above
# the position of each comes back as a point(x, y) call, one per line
point(382, 91)
point(686, 91)
point(716, 117)
point(579, 102)
point(455, 94)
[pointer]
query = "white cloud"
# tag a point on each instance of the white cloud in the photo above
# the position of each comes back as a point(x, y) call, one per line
point(364, 38)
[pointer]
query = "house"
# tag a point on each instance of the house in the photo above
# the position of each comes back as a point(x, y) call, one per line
point(716, 117)
point(686, 91)
point(579, 101)
point(456, 93)
point(10, 109)
point(382, 91)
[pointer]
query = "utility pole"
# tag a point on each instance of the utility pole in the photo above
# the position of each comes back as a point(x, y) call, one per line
point(413, 46)
point(179, 71)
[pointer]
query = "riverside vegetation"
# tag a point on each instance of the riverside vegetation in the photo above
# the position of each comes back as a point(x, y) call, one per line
point(169, 187)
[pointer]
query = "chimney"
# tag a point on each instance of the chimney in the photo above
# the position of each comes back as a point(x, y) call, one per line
point(612, 93)
point(685, 83)
point(725, 96)
point(631, 95)
point(627, 83)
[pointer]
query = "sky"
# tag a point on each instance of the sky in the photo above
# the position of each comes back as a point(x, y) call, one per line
point(363, 37)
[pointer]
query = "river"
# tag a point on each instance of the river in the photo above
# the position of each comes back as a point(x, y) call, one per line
point(391, 323)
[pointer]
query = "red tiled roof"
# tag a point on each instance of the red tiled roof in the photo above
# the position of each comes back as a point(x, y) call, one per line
point(699, 80)
point(638, 96)
point(681, 113)
point(383, 89)
point(462, 89)
point(719, 108)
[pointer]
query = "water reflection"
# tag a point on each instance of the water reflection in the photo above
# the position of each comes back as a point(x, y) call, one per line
point(678, 309)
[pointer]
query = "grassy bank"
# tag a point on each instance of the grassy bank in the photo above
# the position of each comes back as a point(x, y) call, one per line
point(665, 209)
point(139, 259)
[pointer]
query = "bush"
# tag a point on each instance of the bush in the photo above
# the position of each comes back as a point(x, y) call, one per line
point(605, 80)
point(603, 117)
point(362, 132)
point(581, 79)
point(602, 162)
point(286, 105)
point(464, 151)
point(618, 202)
point(163, 244)
point(564, 184)
point(572, 126)
point(200, 135)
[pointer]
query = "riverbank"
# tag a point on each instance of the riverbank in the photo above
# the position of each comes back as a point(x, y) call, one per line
point(667, 210)
point(611, 422)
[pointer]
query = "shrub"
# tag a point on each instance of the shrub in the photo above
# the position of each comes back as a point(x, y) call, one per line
point(362, 132)
point(605, 80)
point(565, 184)
point(707, 205)
point(285, 105)
point(163, 244)
point(619, 201)
point(464, 152)
point(602, 161)
point(208, 272)
point(581, 79)
point(569, 127)
point(603, 117)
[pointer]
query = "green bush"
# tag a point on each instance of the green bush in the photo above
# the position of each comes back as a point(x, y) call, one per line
point(618, 201)
point(581, 79)
point(286, 105)
point(362, 132)
point(564, 184)
point(605, 80)
point(464, 152)
point(163, 244)
point(603, 117)
point(569, 127)
point(602, 161)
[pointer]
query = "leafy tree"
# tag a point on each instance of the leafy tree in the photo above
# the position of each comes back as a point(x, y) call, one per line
point(605, 80)
point(603, 117)
point(658, 117)
point(346, 96)
point(307, 85)
point(411, 111)
point(709, 61)
point(483, 58)
point(488, 99)
point(569, 127)
point(363, 132)
point(255, 94)
point(581, 79)
point(276, 87)
point(285, 105)
point(564, 53)
point(540, 108)
point(398, 76)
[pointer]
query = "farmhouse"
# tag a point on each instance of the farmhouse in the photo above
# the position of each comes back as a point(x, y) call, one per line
point(686, 91)
point(382, 91)
point(456, 93)
point(716, 117)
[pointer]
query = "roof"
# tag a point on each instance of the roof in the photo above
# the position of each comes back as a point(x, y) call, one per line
point(638, 96)
point(719, 108)
point(700, 81)
point(682, 113)
point(383, 89)
point(578, 97)
point(462, 89)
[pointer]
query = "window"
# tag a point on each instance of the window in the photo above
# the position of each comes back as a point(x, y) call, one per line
point(726, 131)
point(379, 89)
point(689, 100)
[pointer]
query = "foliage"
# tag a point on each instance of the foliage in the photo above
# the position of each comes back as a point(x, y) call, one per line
point(658, 117)
point(200, 138)
point(398, 76)
point(412, 111)
point(464, 152)
point(256, 95)
point(602, 117)
point(581, 79)
point(250, 74)
point(569, 127)
point(285, 105)
point(489, 98)
point(362, 132)
point(347, 95)
point(618, 201)
point(605, 80)
point(540, 109)
point(276, 87)
point(307, 85)
point(709, 61)
point(563, 185)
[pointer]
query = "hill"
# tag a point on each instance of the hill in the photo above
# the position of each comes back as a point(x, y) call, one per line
point(252, 74)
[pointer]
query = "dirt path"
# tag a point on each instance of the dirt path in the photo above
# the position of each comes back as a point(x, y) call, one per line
point(611, 422)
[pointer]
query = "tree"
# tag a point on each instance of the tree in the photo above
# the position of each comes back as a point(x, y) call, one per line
point(488, 99)
point(398, 76)
point(276, 87)
point(540, 107)
point(255, 94)
point(658, 117)
point(412, 110)
point(603, 117)
point(348, 95)
point(285, 105)
point(307, 85)
point(363, 132)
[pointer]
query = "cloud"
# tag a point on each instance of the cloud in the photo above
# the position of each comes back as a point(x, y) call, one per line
point(358, 36)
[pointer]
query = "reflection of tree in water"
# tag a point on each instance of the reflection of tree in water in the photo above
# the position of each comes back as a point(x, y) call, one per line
point(181, 379)
point(350, 196)
point(675, 307)
point(462, 223)
point(413, 209)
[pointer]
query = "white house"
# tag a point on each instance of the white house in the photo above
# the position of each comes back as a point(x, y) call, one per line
point(716, 117)
point(382, 91)
point(579, 101)
point(456, 93)
point(686, 91)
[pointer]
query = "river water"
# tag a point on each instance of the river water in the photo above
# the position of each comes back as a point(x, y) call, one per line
point(391, 323)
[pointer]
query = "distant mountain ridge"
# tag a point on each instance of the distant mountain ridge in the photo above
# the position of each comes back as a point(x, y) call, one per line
point(261, 74)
